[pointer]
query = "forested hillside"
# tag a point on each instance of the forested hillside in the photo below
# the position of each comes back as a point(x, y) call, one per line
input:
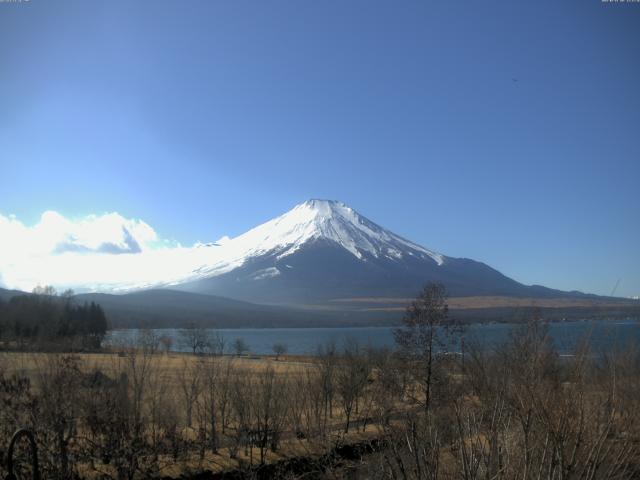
point(45, 318)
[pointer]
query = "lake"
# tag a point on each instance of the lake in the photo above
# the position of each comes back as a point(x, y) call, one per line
point(603, 335)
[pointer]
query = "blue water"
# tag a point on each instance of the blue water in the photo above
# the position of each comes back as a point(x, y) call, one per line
point(602, 335)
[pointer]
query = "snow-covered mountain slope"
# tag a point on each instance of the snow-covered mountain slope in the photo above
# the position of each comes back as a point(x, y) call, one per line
point(323, 250)
point(308, 222)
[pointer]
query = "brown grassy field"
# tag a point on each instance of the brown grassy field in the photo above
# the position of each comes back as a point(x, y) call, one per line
point(138, 413)
point(463, 303)
point(172, 365)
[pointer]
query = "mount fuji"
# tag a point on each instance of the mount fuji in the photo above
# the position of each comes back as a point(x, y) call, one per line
point(323, 250)
point(319, 264)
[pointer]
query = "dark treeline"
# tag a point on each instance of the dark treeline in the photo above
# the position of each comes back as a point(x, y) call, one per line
point(45, 318)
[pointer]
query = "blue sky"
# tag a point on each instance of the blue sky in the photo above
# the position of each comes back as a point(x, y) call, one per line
point(507, 132)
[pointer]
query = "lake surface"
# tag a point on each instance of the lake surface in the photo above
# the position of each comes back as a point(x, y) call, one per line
point(602, 334)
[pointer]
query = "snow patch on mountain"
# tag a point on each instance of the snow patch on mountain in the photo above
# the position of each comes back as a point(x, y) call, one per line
point(265, 273)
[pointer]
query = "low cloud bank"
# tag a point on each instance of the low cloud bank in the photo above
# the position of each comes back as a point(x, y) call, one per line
point(97, 253)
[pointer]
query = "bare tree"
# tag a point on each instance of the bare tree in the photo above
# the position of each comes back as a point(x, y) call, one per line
point(140, 366)
point(216, 343)
point(59, 383)
point(279, 349)
point(167, 342)
point(328, 359)
point(240, 346)
point(268, 410)
point(351, 379)
point(239, 401)
point(426, 326)
point(223, 390)
point(190, 381)
point(213, 372)
point(196, 339)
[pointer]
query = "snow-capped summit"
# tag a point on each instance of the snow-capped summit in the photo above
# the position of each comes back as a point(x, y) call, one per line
point(327, 220)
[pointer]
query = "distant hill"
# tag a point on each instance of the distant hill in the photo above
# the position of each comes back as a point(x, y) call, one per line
point(7, 294)
point(170, 308)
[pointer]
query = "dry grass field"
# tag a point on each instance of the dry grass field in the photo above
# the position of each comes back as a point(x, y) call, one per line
point(172, 366)
point(520, 412)
point(464, 303)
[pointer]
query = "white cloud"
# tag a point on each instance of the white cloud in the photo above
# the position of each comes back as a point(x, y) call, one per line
point(98, 252)
point(108, 233)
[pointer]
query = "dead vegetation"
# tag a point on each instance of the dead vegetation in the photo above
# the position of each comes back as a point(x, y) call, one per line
point(518, 411)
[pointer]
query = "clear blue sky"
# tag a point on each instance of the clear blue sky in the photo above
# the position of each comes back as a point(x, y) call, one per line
point(507, 132)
